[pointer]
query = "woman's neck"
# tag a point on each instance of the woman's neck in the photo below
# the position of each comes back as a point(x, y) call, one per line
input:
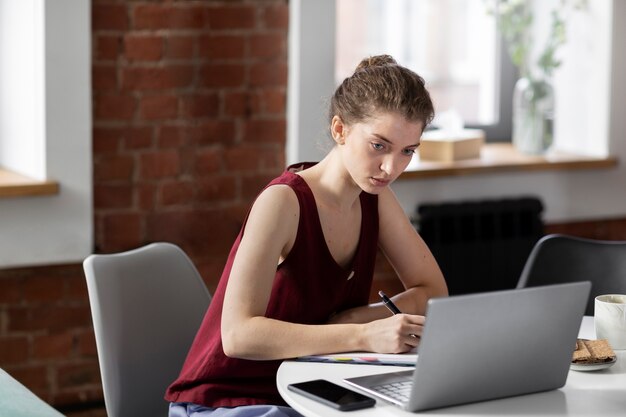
point(332, 183)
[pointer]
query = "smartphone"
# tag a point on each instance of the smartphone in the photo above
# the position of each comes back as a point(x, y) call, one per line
point(332, 395)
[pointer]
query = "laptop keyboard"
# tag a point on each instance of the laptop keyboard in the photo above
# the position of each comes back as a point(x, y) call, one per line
point(400, 390)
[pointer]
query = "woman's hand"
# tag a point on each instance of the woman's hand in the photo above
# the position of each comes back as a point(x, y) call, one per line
point(396, 334)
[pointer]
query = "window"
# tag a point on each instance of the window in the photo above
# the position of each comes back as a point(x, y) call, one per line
point(316, 60)
point(453, 44)
point(45, 67)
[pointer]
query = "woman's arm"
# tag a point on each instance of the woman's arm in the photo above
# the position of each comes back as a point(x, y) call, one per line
point(246, 333)
point(411, 259)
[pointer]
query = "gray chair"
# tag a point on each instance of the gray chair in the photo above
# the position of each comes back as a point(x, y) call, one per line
point(147, 305)
point(559, 258)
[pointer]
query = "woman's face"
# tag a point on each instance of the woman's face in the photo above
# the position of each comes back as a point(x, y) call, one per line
point(376, 151)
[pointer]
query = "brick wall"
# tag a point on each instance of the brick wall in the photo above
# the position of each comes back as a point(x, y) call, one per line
point(189, 107)
point(189, 123)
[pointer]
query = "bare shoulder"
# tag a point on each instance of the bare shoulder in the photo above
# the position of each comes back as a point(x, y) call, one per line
point(388, 203)
point(279, 198)
point(276, 208)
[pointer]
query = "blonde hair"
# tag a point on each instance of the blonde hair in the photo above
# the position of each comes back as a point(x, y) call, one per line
point(380, 84)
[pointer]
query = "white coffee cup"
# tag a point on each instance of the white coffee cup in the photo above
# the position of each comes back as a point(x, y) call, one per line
point(610, 319)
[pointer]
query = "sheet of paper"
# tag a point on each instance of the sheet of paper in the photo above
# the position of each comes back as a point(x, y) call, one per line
point(401, 359)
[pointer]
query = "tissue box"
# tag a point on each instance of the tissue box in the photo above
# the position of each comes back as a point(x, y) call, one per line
point(446, 146)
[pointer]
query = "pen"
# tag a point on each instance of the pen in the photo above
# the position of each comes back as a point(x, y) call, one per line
point(389, 304)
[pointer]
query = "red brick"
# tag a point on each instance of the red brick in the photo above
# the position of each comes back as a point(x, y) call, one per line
point(276, 17)
point(274, 101)
point(75, 375)
point(34, 377)
point(114, 107)
point(265, 131)
point(82, 397)
point(242, 158)
point(150, 17)
point(159, 164)
point(174, 193)
point(53, 346)
point(214, 131)
point(157, 78)
point(268, 45)
point(109, 17)
point(106, 139)
point(103, 77)
point(253, 158)
point(239, 103)
point(168, 17)
point(143, 48)
point(180, 47)
point(114, 168)
point(187, 160)
point(138, 137)
point(48, 317)
point(107, 47)
point(269, 74)
point(76, 289)
point(252, 186)
point(146, 195)
point(87, 344)
point(207, 161)
point(158, 107)
point(217, 189)
point(10, 291)
point(42, 288)
point(222, 75)
point(200, 105)
point(13, 350)
point(222, 47)
point(113, 196)
point(171, 136)
point(236, 17)
point(194, 227)
point(123, 231)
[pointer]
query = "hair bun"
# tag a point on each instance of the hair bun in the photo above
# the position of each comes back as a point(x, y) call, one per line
point(376, 61)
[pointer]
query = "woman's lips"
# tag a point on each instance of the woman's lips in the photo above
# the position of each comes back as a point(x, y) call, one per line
point(379, 182)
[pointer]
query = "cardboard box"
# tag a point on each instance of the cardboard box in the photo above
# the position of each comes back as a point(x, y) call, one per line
point(444, 146)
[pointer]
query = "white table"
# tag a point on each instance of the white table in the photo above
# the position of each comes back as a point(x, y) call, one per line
point(18, 401)
point(599, 393)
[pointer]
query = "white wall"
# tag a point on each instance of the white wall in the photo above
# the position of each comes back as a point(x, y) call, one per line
point(311, 77)
point(56, 229)
point(591, 96)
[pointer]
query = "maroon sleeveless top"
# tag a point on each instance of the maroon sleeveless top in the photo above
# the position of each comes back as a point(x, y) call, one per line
point(308, 288)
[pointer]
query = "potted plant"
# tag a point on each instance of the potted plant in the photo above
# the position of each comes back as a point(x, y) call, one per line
point(533, 97)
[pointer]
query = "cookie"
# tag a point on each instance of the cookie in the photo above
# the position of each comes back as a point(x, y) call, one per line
point(593, 351)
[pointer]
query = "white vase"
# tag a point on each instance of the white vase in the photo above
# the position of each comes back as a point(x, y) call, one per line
point(533, 116)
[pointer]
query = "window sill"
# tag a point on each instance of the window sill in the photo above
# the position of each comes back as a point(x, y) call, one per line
point(502, 157)
point(16, 185)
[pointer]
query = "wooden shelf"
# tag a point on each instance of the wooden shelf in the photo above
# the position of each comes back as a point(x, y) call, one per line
point(16, 185)
point(503, 157)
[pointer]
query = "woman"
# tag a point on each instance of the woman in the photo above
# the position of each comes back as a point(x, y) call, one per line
point(298, 278)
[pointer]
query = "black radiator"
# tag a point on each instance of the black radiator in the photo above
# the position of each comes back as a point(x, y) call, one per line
point(481, 245)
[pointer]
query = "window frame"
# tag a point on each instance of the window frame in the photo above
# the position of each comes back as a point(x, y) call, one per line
point(312, 58)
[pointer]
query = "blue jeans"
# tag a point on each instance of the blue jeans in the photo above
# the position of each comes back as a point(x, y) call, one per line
point(194, 410)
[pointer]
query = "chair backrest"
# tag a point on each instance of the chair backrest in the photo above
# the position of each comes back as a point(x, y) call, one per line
point(147, 305)
point(559, 259)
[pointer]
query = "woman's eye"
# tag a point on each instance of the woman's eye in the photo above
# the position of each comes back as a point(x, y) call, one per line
point(408, 152)
point(378, 146)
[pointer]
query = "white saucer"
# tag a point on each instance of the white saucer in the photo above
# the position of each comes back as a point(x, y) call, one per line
point(591, 366)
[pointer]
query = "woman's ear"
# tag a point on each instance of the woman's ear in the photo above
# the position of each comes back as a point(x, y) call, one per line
point(337, 130)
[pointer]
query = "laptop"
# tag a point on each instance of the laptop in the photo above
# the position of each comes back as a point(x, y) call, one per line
point(484, 346)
